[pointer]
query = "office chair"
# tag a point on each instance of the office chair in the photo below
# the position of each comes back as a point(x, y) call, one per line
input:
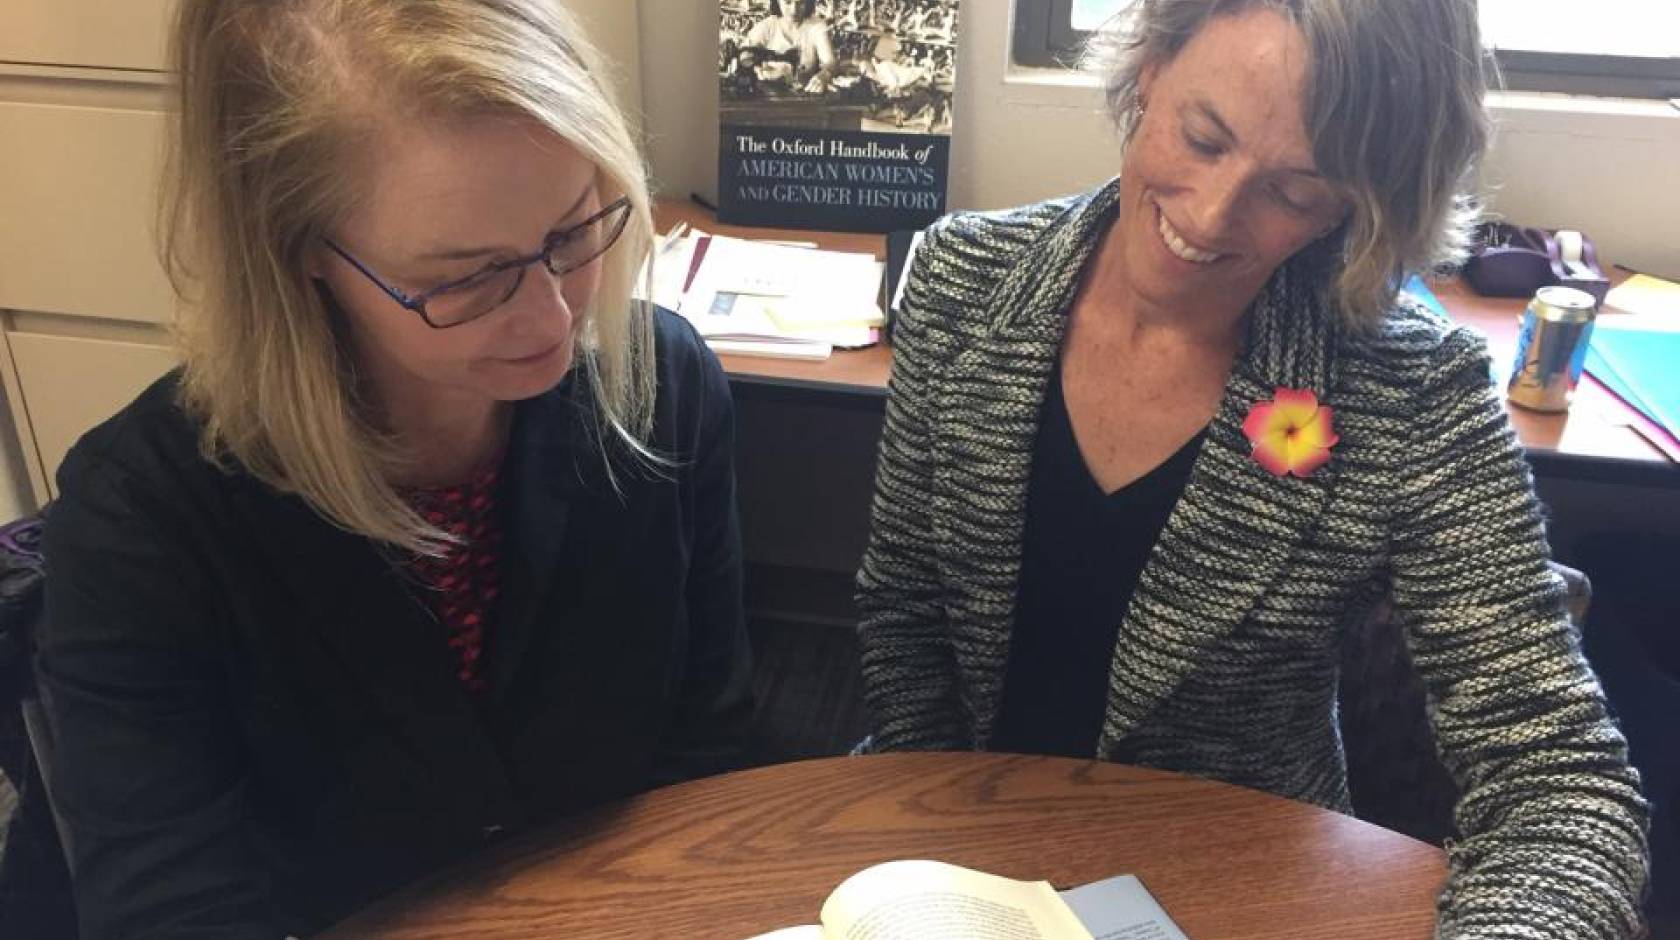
point(1635, 647)
point(35, 894)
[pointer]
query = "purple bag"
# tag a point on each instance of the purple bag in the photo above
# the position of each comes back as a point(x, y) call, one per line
point(1512, 261)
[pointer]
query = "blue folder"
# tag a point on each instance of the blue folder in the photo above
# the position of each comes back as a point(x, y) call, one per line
point(1643, 367)
point(1420, 292)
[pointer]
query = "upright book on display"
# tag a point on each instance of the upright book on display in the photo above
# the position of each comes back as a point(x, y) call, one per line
point(835, 114)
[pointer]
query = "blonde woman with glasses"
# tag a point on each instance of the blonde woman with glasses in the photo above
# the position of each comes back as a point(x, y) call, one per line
point(1153, 449)
point(433, 535)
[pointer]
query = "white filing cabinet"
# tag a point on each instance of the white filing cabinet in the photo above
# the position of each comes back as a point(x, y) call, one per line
point(106, 34)
point(84, 304)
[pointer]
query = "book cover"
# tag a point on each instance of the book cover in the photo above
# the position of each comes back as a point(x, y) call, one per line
point(835, 114)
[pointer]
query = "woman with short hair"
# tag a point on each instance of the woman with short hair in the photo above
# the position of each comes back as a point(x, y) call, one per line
point(1149, 449)
point(433, 535)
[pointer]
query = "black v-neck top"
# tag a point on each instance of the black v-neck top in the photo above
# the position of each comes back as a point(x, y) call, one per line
point(1083, 552)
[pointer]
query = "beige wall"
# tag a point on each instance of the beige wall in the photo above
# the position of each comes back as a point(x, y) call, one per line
point(1609, 168)
point(1605, 167)
point(614, 26)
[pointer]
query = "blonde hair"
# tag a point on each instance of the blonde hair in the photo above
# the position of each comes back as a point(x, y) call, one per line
point(275, 100)
point(1393, 107)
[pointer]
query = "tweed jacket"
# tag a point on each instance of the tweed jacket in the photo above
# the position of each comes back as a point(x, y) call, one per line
point(1225, 662)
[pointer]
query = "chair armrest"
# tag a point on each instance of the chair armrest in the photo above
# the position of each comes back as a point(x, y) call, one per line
point(1578, 598)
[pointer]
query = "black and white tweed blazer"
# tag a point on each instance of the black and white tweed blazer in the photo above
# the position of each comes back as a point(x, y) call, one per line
point(1225, 664)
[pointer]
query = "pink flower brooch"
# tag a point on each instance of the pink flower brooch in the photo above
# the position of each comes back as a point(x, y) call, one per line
point(1291, 432)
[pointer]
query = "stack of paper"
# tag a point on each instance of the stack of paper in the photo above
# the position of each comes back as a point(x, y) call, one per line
point(769, 298)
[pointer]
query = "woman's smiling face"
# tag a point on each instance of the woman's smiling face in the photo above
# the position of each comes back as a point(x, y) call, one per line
point(1218, 185)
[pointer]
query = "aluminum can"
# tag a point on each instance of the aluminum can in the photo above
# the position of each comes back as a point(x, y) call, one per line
point(1551, 348)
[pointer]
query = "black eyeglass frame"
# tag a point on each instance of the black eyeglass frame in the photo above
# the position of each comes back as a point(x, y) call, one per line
point(417, 302)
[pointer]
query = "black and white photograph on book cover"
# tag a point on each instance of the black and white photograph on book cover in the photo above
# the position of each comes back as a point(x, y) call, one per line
point(835, 113)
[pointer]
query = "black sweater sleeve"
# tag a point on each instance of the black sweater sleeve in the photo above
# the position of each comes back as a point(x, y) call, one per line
point(714, 703)
point(146, 773)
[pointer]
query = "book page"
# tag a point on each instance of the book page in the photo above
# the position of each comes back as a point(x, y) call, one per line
point(1121, 908)
point(920, 900)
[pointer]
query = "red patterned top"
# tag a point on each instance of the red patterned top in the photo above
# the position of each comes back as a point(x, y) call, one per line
point(461, 587)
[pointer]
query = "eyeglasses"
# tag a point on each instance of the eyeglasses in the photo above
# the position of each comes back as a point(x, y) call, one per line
point(464, 300)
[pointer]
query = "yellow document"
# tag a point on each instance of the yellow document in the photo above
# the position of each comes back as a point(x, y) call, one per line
point(1646, 295)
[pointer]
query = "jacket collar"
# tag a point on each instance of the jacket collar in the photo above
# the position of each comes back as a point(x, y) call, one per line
point(354, 603)
point(552, 443)
point(984, 443)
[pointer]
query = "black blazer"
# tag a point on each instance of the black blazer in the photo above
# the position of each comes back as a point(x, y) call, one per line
point(259, 728)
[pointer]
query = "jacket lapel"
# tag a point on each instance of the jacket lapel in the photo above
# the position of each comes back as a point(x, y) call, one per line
point(551, 438)
point(354, 603)
point(1236, 525)
point(988, 408)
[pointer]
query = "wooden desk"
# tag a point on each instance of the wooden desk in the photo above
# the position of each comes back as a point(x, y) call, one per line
point(1593, 438)
point(734, 856)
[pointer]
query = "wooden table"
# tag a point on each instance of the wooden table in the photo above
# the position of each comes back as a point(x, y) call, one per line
point(734, 856)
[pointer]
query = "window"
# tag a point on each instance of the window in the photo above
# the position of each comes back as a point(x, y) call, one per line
point(1052, 33)
point(1090, 14)
point(1610, 47)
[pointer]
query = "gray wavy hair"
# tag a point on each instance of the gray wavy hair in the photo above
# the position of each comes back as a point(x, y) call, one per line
point(1393, 107)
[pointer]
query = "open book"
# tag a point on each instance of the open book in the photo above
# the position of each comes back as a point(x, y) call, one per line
point(921, 900)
